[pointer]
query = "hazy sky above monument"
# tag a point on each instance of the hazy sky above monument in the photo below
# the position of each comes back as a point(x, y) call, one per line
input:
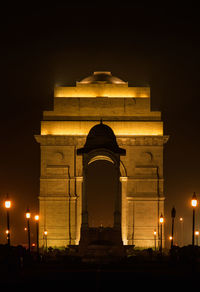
point(43, 46)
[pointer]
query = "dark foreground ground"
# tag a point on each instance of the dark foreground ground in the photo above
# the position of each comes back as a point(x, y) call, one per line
point(66, 273)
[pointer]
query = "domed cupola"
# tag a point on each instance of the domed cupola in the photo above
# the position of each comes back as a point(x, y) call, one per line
point(102, 77)
point(101, 136)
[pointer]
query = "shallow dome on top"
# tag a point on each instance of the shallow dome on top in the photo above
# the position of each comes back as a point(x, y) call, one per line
point(102, 77)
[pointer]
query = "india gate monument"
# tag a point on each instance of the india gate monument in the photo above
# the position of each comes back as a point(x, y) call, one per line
point(101, 120)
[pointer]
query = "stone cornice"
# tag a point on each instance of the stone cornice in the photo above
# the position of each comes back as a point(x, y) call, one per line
point(54, 140)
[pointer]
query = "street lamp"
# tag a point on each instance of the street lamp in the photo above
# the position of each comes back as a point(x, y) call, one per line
point(194, 205)
point(45, 238)
point(37, 217)
point(161, 224)
point(7, 205)
point(197, 237)
point(28, 216)
point(181, 232)
point(154, 233)
point(173, 215)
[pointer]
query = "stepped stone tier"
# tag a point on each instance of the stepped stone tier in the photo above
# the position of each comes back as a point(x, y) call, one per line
point(101, 118)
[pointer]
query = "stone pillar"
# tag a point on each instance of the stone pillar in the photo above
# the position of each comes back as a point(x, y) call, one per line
point(84, 223)
point(123, 180)
point(79, 186)
point(130, 221)
point(117, 211)
point(73, 225)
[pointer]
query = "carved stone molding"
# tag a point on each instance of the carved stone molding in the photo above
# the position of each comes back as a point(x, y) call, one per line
point(80, 140)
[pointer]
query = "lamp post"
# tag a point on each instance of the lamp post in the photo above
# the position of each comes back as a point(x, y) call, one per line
point(181, 227)
point(8, 206)
point(197, 237)
point(173, 215)
point(154, 233)
point(45, 239)
point(161, 224)
point(28, 216)
point(37, 232)
point(194, 205)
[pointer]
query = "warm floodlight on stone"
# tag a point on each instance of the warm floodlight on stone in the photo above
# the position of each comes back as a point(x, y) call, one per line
point(101, 118)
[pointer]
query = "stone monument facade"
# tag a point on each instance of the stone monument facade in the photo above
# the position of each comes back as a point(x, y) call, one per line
point(138, 130)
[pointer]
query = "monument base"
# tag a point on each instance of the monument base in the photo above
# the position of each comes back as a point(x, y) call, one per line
point(101, 245)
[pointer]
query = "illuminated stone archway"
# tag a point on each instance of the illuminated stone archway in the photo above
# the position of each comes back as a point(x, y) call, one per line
point(139, 130)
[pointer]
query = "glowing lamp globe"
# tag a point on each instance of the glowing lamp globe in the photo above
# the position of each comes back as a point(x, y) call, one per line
point(7, 204)
point(161, 219)
point(37, 217)
point(28, 214)
point(194, 200)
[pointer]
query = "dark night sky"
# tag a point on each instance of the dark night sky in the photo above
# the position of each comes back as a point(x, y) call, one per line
point(46, 45)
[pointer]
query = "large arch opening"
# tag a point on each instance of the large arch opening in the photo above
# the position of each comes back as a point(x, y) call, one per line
point(101, 187)
point(101, 196)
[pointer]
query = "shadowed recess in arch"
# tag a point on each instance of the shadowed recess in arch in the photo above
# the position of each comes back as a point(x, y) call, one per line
point(101, 188)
